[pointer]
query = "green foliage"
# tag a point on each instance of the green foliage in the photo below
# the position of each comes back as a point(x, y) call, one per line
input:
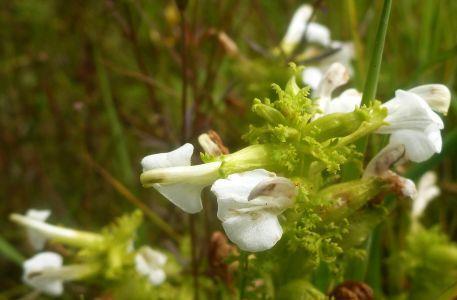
point(431, 263)
point(113, 254)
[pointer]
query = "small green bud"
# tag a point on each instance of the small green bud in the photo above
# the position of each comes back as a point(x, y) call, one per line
point(335, 125)
point(267, 112)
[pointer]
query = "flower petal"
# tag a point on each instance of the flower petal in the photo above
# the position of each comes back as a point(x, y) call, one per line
point(296, 28)
point(149, 262)
point(253, 234)
point(348, 101)
point(426, 192)
point(419, 146)
point(437, 96)
point(36, 239)
point(186, 196)
point(312, 76)
point(233, 192)
point(409, 111)
point(178, 157)
point(39, 263)
point(317, 33)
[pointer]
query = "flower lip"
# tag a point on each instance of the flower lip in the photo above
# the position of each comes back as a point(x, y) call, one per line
point(248, 206)
point(35, 267)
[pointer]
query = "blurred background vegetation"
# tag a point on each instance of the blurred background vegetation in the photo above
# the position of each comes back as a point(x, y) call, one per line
point(89, 87)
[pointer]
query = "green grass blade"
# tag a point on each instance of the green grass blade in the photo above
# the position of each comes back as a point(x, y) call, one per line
point(116, 128)
point(9, 252)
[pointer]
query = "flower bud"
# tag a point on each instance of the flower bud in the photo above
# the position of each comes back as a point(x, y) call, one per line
point(270, 114)
point(212, 143)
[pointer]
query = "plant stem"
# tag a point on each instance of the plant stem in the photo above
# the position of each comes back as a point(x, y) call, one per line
point(243, 272)
point(193, 245)
point(371, 84)
point(9, 252)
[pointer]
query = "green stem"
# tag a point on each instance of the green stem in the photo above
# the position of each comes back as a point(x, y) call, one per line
point(9, 252)
point(243, 273)
point(369, 91)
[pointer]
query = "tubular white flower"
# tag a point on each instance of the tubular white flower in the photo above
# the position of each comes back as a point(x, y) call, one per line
point(427, 190)
point(149, 262)
point(173, 176)
point(65, 235)
point(35, 269)
point(437, 96)
point(248, 206)
point(296, 28)
point(412, 123)
point(45, 272)
point(36, 239)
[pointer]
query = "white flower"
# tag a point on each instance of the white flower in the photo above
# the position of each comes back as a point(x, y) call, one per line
point(248, 206)
point(427, 190)
point(36, 239)
point(173, 176)
point(35, 270)
point(412, 123)
point(149, 262)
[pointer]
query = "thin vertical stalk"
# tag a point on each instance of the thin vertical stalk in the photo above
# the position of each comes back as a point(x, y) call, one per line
point(9, 252)
point(371, 84)
point(193, 244)
point(359, 270)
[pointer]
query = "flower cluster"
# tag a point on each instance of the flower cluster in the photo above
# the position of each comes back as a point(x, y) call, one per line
point(307, 143)
point(109, 254)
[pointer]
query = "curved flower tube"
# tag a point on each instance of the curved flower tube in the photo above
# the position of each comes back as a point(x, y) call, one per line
point(149, 262)
point(173, 176)
point(64, 235)
point(36, 239)
point(248, 206)
point(379, 166)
